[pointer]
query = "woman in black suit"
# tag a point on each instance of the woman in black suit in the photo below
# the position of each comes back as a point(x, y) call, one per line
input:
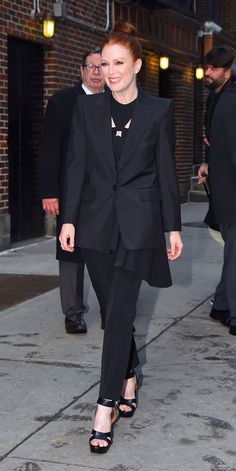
point(121, 195)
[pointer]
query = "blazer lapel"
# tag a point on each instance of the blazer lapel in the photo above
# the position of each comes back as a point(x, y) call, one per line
point(103, 133)
point(139, 124)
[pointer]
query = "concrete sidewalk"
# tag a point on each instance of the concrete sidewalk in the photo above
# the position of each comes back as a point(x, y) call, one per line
point(186, 418)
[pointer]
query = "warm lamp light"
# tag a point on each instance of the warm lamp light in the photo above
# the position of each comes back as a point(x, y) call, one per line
point(48, 26)
point(164, 62)
point(199, 72)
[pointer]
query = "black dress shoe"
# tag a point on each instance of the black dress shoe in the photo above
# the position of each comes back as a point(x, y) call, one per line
point(221, 316)
point(232, 330)
point(77, 326)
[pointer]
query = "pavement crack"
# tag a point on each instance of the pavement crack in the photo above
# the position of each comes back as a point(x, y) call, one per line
point(76, 465)
point(51, 419)
point(43, 362)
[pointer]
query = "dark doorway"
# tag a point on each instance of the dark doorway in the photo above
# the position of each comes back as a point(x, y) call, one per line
point(25, 105)
point(164, 83)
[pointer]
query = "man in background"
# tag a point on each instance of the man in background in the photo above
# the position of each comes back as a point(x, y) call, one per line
point(221, 170)
point(53, 152)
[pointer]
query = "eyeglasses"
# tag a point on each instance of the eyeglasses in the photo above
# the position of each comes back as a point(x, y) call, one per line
point(92, 67)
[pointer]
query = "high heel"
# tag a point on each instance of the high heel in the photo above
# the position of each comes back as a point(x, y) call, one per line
point(132, 403)
point(105, 436)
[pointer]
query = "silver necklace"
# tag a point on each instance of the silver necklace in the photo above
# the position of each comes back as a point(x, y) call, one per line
point(119, 133)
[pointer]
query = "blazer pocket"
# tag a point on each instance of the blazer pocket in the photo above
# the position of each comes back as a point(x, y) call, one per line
point(88, 195)
point(149, 194)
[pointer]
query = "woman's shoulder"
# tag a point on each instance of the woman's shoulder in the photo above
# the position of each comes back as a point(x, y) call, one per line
point(155, 100)
point(160, 101)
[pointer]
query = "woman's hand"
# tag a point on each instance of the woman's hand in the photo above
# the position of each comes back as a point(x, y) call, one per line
point(202, 173)
point(67, 237)
point(176, 245)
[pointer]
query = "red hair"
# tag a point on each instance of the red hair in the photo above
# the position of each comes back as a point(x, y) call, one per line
point(124, 33)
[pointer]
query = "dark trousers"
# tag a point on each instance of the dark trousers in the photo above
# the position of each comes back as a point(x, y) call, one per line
point(71, 288)
point(225, 295)
point(118, 289)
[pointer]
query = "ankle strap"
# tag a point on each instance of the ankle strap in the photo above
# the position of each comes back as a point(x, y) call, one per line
point(106, 402)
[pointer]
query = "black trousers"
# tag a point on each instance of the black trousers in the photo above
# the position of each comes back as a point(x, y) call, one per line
point(71, 288)
point(118, 290)
point(225, 295)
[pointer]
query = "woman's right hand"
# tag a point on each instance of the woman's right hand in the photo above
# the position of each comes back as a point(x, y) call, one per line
point(67, 237)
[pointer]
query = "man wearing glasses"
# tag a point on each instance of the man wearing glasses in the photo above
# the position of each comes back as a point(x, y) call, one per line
point(92, 80)
point(55, 136)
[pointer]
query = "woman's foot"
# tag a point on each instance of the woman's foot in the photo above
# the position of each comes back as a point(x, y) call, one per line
point(128, 401)
point(101, 437)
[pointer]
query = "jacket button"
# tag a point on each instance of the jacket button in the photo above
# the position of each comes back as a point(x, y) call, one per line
point(114, 187)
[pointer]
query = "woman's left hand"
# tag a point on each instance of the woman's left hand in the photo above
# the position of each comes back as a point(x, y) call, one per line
point(176, 245)
point(67, 237)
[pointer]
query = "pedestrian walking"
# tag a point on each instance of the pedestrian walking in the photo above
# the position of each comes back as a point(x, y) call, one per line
point(121, 196)
point(55, 137)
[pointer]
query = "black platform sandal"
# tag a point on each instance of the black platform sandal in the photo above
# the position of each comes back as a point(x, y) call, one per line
point(106, 436)
point(132, 403)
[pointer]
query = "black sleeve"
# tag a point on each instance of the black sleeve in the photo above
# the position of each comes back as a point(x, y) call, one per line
point(228, 125)
point(50, 153)
point(74, 169)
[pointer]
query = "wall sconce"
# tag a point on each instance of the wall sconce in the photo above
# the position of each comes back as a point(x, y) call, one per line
point(46, 18)
point(164, 62)
point(199, 72)
point(48, 25)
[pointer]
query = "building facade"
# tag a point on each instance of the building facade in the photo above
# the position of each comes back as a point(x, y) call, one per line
point(33, 67)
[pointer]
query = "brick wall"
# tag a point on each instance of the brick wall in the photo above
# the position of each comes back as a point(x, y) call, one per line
point(228, 15)
point(181, 90)
point(222, 12)
point(4, 126)
point(202, 8)
point(149, 74)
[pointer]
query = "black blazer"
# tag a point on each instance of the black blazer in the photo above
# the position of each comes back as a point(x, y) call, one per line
point(53, 151)
point(142, 190)
point(222, 157)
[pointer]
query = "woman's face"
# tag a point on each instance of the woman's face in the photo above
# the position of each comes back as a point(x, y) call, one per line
point(119, 68)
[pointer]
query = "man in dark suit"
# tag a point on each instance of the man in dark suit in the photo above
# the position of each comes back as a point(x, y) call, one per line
point(56, 131)
point(222, 175)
